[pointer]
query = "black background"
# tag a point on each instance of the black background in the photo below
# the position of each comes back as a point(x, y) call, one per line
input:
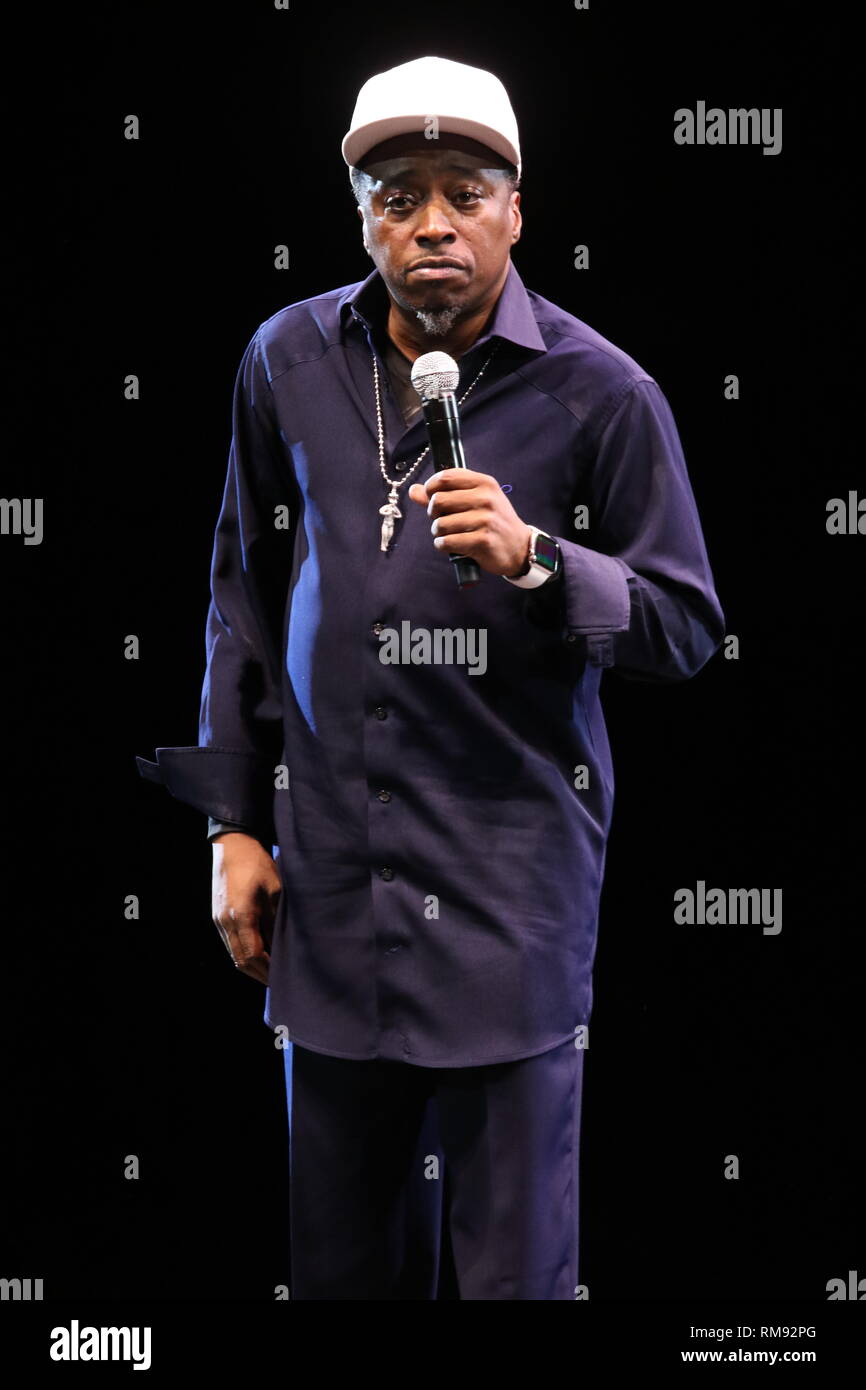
point(155, 257)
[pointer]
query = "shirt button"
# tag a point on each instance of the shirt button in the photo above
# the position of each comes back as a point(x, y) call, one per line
point(381, 712)
point(572, 637)
point(400, 466)
point(377, 627)
point(386, 873)
point(384, 796)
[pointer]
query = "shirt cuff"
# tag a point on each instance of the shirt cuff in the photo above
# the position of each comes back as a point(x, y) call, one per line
point(588, 598)
point(228, 784)
point(219, 827)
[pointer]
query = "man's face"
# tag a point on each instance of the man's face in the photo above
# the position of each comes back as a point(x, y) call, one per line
point(435, 201)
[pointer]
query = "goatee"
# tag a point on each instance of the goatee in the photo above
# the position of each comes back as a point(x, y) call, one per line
point(437, 322)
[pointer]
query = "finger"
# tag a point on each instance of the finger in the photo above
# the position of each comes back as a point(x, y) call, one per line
point(459, 522)
point(241, 937)
point(257, 969)
point(450, 478)
point(249, 954)
point(458, 500)
point(473, 544)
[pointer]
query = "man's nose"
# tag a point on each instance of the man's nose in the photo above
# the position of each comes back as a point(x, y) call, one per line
point(434, 222)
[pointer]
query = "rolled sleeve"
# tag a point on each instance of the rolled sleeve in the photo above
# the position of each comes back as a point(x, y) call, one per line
point(227, 784)
point(595, 590)
point(229, 775)
point(642, 596)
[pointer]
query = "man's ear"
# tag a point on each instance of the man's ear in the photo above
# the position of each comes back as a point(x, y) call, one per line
point(363, 236)
point(518, 216)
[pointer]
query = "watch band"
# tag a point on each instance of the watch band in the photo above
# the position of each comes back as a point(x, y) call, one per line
point(545, 561)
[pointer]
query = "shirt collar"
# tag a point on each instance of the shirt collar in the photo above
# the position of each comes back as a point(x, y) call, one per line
point(512, 317)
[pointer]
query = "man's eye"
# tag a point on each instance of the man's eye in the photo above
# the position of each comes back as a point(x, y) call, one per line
point(397, 201)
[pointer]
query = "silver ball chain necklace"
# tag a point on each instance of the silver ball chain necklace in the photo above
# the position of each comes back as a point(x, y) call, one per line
point(390, 511)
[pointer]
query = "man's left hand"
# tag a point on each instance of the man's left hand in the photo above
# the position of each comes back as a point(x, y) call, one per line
point(473, 516)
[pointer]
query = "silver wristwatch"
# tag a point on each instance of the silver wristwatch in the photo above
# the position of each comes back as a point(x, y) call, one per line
point(545, 561)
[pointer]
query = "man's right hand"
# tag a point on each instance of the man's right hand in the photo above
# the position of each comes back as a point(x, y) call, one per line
point(246, 887)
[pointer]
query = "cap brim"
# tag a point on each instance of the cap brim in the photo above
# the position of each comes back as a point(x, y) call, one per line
point(357, 144)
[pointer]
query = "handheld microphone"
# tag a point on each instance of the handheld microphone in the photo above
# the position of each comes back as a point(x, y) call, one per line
point(435, 376)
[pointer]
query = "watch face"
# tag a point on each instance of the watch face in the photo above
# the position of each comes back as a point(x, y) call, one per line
point(546, 552)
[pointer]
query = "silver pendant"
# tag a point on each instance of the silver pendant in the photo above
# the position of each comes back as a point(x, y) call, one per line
point(389, 511)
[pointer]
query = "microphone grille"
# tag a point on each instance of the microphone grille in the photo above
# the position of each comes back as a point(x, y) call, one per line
point(433, 374)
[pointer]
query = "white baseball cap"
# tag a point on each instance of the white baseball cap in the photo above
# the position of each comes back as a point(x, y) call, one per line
point(464, 100)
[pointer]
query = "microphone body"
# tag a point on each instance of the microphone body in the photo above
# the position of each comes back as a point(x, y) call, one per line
point(446, 446)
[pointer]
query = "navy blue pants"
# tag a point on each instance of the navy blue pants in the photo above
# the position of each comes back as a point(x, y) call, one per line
point(374, 1145)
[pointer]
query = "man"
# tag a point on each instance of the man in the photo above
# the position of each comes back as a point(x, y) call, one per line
point(428, 762)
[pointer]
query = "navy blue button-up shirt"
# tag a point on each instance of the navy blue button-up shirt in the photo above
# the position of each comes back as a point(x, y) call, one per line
point(439, 818)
